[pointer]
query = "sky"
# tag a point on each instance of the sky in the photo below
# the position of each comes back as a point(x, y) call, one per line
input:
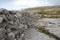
point(21, 4)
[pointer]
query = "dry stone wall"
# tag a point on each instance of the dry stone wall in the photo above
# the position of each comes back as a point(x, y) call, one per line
point(14, 23)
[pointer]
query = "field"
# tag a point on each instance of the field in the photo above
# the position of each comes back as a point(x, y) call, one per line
point(46, 12)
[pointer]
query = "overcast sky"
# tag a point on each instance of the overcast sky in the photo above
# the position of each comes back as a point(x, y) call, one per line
point(19, 4)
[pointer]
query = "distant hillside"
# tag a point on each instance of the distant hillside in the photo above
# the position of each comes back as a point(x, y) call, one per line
point(45, 10)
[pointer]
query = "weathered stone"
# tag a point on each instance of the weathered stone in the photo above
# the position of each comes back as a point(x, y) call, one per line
point(2, 33)
point(11, 36)
point(1, 19)
point(14, 23)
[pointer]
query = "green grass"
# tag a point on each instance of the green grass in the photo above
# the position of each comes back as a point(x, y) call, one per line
point(45, 31)
point(23, 38)
point(52, 16)
point(48, 15)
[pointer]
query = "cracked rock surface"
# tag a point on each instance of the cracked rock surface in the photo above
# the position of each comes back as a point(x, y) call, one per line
point(33, 34)
point(52, 24)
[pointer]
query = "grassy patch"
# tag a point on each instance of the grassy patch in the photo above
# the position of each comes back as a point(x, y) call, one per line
point(45, 31)
point(23, 38)
point(49, 16)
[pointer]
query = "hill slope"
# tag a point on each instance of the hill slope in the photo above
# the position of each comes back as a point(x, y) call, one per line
point(46, 9)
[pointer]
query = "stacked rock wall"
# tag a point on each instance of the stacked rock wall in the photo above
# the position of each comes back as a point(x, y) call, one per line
point(14, 23)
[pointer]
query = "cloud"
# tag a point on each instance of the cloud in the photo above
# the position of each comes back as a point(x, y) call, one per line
point(26, 2)
point(55, 2)
point(19, 4)
point(6, 0)
point(30, 3)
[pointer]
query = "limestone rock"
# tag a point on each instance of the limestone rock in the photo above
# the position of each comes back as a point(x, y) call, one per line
point(14, 23)
point(2, 33)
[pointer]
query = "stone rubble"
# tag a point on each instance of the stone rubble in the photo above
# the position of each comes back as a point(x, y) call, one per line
point(14, 23)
